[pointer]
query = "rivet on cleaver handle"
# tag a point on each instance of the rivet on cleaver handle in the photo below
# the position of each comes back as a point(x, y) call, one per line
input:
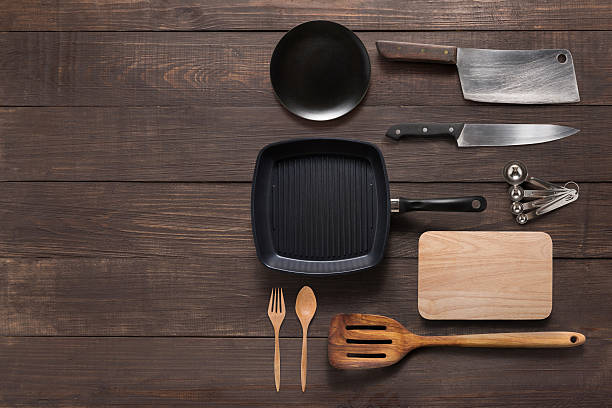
point(403, 51)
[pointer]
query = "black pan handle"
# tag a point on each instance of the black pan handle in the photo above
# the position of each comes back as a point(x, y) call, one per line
point(425, 129)
point(459, 204)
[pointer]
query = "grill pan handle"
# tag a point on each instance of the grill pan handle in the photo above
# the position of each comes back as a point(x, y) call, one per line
point(459, 204)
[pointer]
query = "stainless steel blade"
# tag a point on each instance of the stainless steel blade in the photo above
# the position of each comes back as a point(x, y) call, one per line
point(511, 134)
point(517, 76)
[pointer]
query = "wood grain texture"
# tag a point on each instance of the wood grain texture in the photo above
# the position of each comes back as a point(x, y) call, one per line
point(204, 219)
point(90, 15)
point(276, 314)
point(192, 297)
point(144, 372)
point(85, 251)
point(305, 308)
point(365, 341)
point(232, 69)
point(485, 275)
point(203, 143)
point(415, 52)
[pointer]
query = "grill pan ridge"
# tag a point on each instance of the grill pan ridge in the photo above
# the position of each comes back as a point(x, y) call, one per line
point(323, 207)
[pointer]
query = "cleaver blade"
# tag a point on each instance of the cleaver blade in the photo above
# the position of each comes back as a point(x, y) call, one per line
point(499, 76)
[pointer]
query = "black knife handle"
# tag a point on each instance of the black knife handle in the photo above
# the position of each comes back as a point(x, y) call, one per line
point(425, 129)
point(458, 204)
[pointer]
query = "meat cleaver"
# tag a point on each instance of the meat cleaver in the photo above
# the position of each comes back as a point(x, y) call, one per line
point(498, 76)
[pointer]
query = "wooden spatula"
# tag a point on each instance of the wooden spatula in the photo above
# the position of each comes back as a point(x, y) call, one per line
point(368, 341)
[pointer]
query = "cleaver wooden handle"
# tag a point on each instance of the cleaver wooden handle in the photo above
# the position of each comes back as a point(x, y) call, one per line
point(403, 51)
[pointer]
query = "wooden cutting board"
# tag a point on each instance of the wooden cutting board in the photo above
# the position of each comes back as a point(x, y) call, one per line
point(474, 275)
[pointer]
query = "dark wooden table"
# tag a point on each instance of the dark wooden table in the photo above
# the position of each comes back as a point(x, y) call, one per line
point(128, 134)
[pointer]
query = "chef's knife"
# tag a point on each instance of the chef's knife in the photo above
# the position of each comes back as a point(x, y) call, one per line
point(499, 76)
point(472, 135)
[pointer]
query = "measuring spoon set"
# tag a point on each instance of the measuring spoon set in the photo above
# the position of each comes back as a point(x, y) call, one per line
point(532, 197)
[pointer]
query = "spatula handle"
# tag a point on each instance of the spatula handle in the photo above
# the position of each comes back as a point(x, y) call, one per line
point(403, 51)
point(509, 340)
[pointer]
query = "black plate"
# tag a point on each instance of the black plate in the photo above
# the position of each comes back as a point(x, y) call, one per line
point(320, 70)
point(320, 206)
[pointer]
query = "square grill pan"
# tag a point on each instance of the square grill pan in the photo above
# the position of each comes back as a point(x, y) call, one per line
point(320, 206)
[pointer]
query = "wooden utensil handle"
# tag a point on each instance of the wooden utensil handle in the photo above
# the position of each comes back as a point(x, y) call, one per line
point(403, 51)
point(304, 365)
point(519, 340)
point(276, 361)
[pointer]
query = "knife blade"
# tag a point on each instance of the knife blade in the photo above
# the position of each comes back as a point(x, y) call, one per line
point(475, 135)
point(499, 76)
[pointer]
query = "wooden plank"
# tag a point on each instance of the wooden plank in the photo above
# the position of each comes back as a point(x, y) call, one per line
point(232, 69)
point(465, 275)
point(214, 296)
point(178, 220)
point(200, 143)
point(90, 15)
point(238, 372)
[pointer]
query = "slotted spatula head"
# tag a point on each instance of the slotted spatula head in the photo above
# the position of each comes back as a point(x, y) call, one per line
point(367, 341)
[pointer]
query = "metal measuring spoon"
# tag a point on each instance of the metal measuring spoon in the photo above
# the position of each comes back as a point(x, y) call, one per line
point(517, 193)
point(553, 205)
point(543, 184)
point(517, 207)
point(515, 172)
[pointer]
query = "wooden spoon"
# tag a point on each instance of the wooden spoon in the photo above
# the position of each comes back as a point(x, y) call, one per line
point(305, 307)
point(368, 341)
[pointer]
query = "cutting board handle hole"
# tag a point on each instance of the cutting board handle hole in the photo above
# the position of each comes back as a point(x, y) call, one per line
point(573, 339)
point(562, 58)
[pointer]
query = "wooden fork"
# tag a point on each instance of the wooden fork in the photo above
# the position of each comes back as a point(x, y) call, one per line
point(276, 313)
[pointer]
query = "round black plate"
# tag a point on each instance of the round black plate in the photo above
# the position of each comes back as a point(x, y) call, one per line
point(320, 70)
